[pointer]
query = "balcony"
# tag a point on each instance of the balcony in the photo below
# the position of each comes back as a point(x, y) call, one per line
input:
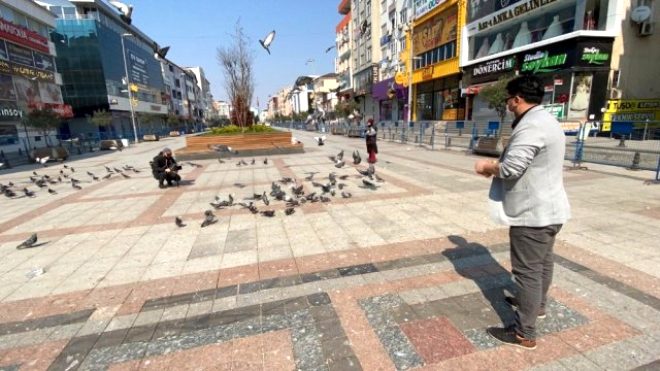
point(344, 7)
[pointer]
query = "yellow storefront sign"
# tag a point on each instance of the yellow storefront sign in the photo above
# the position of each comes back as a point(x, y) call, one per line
point(633, 110)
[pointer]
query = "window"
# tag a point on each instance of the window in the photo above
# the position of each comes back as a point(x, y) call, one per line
point(368, 8)
point(6, 13)
point(171, 68)
point(368, 54)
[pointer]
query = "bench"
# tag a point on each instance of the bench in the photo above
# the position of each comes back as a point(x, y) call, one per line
point(55, 153)
point(110, 144)
point(150, 137)
point(489, 146)
point(174, 133)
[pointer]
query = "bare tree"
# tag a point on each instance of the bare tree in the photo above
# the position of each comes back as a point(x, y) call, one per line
point(236, 62)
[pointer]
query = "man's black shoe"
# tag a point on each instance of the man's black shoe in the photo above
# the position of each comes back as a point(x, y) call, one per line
point(514, 303)
point(508, 335)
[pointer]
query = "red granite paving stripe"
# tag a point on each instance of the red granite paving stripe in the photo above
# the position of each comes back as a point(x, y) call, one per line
point(221, 356)
point(60, 232)
point(37, 357)
point(33, 214)
point(653, 212)
point(436, 339)
point(620, 272)
point(277, 268)
point(366, 344)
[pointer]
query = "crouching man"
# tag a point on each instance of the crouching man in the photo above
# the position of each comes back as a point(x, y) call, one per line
point(165, 168)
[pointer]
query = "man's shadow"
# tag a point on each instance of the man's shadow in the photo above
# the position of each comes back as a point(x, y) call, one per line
point(492, 279)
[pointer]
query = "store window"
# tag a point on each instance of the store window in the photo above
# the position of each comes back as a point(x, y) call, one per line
point(386, 110)
point(553, 20)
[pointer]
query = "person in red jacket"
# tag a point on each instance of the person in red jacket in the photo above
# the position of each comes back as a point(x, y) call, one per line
point(371, 136)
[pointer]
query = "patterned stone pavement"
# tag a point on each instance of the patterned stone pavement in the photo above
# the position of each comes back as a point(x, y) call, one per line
point(407, 276)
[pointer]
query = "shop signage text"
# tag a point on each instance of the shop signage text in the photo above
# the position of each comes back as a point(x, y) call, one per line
point(424, 6)
point(63, 110)
point(494, 66)
point(593, 55)
point(542, 62)
point(9, 111)
point(508, 14)
point(438, 30)
point(631, 110)
point(23, 36)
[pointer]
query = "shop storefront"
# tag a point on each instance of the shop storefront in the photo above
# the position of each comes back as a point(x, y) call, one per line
point(391, 99)
point(436, 74)
point(574, 72)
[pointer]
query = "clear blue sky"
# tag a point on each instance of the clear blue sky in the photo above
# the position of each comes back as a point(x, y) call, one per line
point(196, 28)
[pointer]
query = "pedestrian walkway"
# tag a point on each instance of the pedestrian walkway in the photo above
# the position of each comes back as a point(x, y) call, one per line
point(404, 274)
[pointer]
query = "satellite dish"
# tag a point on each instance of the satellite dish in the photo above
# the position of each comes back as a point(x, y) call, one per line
point(640, 14)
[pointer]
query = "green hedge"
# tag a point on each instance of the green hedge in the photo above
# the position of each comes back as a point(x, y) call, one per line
point(233, 129)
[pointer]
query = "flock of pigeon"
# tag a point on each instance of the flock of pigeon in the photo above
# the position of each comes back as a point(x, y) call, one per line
point(65, 176)
point(295, 198)
point(297, 195)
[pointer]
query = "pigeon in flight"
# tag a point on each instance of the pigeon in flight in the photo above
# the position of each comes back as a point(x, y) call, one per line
point(209, 218)
point(179, 222)
point(320, 140)
point(265, 43)
point(28, 243)
point(329, 48)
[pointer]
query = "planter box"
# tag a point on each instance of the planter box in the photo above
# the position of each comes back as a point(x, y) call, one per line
point(253, 144)
point(55, 153)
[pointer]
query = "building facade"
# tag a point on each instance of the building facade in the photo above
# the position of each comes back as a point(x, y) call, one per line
point(96, 44)
point(343, 47)
point(176, 91)
point(205, 98)
point(435, 41)
point(390, 97)
point(567, 43)
point(29, 78)
point(223, 108)
point(366, 54)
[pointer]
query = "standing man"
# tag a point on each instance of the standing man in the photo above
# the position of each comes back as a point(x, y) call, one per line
point(528, 188)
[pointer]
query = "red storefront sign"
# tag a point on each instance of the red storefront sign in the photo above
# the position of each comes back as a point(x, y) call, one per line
point(64, 110)
point(23, 36)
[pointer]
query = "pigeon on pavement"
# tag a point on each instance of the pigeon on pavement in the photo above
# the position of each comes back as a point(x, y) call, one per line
point(28, 243)
point(209, 218)
point(179, 222)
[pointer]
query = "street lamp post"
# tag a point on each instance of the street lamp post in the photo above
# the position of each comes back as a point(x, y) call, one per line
point(128, 86)
point(411, 60)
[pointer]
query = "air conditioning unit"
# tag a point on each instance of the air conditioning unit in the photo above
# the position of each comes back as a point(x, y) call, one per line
point(615, 93)
point(646, 29)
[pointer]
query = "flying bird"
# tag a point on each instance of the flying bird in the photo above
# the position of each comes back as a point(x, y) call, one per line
point(265, 43)
point(209, 218)
point(329, 48)
point(43, 160)
point(320, 140)
point(179, 222)
point(28, 243)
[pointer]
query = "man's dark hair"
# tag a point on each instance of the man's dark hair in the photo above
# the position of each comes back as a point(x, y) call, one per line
point(528, 87)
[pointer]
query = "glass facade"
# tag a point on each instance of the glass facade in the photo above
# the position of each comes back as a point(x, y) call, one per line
point(89, 55)
point(522, 23)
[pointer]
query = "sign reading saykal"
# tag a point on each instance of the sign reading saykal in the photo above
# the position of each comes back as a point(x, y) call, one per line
point(593, 55)
point(542, 62)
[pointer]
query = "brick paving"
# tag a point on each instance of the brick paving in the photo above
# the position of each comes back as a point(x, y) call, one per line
point(406, 276)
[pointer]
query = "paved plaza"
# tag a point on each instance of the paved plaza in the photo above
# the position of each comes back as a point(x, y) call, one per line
point(404, 276)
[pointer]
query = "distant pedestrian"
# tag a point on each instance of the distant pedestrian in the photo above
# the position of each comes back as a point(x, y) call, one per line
point(527, 193)
point(371, 135)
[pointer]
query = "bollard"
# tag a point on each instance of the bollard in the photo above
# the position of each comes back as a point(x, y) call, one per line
point(622, 141)
point(635, 162)
point(433, 137)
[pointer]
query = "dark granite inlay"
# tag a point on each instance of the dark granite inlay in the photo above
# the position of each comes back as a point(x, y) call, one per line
point(358, 269)
point(10, 368)
point(317, 335)
point(653, 366)
point(44, 322)
point(611, 283)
